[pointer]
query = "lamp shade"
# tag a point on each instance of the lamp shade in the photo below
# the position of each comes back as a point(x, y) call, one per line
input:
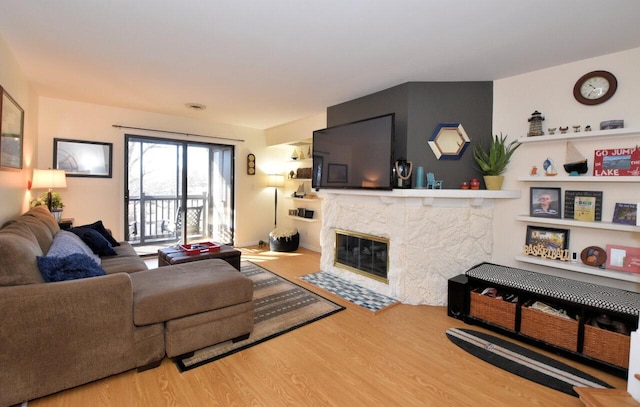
point(275, 180)
point(48, 179)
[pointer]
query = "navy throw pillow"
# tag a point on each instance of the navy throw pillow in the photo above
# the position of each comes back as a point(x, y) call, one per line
point(99, 227)
point(98, 244)
point(71, 267)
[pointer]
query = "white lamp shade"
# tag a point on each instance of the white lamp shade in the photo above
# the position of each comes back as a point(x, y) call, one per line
point(275, 180)
point(48, 179)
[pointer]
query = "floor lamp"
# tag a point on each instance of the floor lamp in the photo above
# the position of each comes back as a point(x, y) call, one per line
point(275, 181)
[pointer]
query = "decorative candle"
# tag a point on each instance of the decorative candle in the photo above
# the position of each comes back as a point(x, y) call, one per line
point(420, 177)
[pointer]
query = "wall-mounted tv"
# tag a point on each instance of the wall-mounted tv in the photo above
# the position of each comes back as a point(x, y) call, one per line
point(356, 155)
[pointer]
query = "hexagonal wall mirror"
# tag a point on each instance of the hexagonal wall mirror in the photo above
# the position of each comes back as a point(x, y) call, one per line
point(448, 141)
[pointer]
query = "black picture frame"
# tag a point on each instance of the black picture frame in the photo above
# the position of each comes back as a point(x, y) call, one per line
point(11, 132)
point(569, 203)
point(548, 238)
point(80, 158)
point(541, 206)
point(337, 173)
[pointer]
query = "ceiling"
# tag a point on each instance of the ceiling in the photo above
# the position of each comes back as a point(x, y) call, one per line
point(263, 63)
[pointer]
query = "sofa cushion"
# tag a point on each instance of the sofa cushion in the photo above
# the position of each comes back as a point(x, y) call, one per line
point(18, 253)
point(99, 227)
point(43, 215)
point(71, 267)
point(98, 244)
point(39, 229)
point(66, 243)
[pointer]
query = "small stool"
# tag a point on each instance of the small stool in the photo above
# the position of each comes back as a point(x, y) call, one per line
point(284, 240)
point(201, 303)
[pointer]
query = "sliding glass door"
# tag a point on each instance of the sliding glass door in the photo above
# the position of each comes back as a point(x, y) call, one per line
point(178, 192)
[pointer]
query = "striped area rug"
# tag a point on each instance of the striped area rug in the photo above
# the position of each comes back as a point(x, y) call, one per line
point(523, 362)
point(281, 306)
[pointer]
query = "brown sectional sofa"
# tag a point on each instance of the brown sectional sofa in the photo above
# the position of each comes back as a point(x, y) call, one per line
point(57, 335)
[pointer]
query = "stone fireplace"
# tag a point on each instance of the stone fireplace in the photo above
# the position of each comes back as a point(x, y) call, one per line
point(432, 235)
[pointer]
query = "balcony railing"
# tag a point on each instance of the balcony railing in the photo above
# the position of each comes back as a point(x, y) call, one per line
point(158, 219)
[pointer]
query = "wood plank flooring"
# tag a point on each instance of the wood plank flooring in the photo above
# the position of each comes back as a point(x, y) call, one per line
point(397, 357)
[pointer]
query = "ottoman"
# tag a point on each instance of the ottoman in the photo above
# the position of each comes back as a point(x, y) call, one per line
point(201, 303)
point(172, 255)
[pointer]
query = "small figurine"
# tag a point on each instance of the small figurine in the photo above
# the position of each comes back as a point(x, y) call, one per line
point(549, 168)
point(552, 130)
point(535, 124)
point(534, 171)
point(587, 128)
point(576, 128)
point(564, 129)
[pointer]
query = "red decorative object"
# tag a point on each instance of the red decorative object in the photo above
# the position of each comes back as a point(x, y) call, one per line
point(465, 185)
point(475, 183)
point(617, 162)
point(197, 248)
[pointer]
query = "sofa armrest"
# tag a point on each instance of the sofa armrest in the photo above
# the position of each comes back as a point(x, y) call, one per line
point(59, 335)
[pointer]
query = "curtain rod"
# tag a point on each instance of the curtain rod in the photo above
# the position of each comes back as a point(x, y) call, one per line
point(176, 132)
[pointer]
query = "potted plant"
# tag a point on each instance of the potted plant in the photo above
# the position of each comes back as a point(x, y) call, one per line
point(56, 203)
point(493, 162)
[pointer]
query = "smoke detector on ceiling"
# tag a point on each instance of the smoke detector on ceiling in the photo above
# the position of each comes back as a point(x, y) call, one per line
point(195, 106)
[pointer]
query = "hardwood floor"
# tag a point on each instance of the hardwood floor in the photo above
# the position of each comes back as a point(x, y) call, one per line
point(397, 357)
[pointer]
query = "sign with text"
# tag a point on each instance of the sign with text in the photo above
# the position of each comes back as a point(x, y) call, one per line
point(617, 162)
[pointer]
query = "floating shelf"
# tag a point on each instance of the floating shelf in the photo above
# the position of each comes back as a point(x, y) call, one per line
point(301, 219)
point(579, 224)
point(595, 271)
point(580, 178)
point(628, 132)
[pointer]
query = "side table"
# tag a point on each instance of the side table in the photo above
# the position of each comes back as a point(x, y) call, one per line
point(173, 255)
point(66, 223)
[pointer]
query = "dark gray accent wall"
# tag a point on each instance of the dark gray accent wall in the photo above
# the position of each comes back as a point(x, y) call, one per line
point(419, 108)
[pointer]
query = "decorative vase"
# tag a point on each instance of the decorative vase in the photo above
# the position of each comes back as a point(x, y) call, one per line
point(493, 182)
point(57, 214)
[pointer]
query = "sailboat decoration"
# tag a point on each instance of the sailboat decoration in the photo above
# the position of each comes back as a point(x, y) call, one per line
point(575, 163)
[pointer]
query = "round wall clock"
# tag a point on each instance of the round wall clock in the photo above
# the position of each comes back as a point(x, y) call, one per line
point(251, 164)
point(595, 87)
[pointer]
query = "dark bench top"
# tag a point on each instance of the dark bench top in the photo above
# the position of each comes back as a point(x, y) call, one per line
point(593, 295)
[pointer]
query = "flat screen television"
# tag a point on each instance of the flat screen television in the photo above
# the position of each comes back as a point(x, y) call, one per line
point(356, 155)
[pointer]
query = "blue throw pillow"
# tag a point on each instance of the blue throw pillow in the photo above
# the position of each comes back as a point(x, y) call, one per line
point(98, 244)
point(72, 267)
point(66, 243)
point(99, 227)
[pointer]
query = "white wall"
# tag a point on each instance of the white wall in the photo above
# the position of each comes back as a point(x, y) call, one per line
point(90, 199)
point(14, 197)
point(550, 91)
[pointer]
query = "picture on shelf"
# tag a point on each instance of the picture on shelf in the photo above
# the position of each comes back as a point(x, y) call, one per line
point(570, 200)
point(623, 258)
point(584, 208)
point(626, 214)
point(547, 243)
point(593, 256)
point(545, 202)
point(617, 162)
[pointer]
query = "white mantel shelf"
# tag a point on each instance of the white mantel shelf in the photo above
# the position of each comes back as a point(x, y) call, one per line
point(425, 197)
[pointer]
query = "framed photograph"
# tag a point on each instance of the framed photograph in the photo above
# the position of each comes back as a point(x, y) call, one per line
point(623, 258)
point(545, 202)
point(625, 213)
point(547, 243)
point(593, 256)
point(583, 198)
point(337, 173)
point(11, 132)
point(83, 158)
point(617, 162)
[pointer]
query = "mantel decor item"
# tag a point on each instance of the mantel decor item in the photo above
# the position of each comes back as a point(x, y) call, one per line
point(83, 158)
point(593, 256)
point(448, 141)
point(11, 132)
point(575, 163)
point(493, 161)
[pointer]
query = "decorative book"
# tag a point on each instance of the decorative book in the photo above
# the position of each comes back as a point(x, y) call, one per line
point(626, 214)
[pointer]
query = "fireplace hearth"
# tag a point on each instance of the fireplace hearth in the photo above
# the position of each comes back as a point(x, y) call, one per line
point(363, 254)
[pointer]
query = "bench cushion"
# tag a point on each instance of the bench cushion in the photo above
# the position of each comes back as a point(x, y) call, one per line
point(594, 295)
point(177, 291)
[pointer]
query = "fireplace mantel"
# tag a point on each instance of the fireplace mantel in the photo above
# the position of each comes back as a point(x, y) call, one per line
point(425, 197)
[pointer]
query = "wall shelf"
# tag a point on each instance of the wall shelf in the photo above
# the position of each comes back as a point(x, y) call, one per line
point(580, 224)
point(594, 271)
point(301, 219)
point(625, 132)
point(581, 178)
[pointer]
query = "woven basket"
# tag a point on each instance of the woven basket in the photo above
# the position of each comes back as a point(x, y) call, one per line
point(607, 346)
point(549, 328)
point(489, 309)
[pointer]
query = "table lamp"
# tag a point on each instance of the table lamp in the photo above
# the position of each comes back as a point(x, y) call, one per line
point(49, 179)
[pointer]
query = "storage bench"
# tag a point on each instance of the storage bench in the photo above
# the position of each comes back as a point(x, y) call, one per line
point(574, 337)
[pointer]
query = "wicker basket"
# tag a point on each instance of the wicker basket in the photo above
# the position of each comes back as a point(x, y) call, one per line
point(489, 309)
point(607, 346)
point(549, 328)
